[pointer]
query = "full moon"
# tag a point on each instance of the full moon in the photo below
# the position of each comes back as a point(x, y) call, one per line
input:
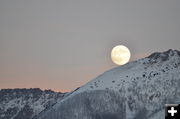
point(120, 55)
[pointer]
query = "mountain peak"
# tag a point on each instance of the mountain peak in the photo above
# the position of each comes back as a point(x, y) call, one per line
point(163, 56)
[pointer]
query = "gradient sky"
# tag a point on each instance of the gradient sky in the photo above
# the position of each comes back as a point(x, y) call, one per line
point(62, 44)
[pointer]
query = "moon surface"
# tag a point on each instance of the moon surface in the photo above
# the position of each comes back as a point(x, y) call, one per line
point(120, 55)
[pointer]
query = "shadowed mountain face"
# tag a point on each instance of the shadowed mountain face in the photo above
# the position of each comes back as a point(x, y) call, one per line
point(91, 105)
point(26, 103)
point(137, 90)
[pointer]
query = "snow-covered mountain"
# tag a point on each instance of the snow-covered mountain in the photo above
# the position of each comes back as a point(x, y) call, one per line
point(26, 103)
point(137, 90)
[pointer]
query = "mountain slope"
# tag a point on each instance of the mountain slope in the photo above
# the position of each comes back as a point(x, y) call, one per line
point(26, 103)
point(137, 90)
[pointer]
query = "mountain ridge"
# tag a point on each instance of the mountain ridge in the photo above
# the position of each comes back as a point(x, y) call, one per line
point(144, 84)
point(26, 103)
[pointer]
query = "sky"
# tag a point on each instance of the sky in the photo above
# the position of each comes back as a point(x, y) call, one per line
point(63, 44)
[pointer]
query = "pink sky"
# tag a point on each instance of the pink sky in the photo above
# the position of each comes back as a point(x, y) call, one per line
point(58, 79)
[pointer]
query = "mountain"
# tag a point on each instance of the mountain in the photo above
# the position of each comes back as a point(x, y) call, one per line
point(26, 103)
point(137, 90)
